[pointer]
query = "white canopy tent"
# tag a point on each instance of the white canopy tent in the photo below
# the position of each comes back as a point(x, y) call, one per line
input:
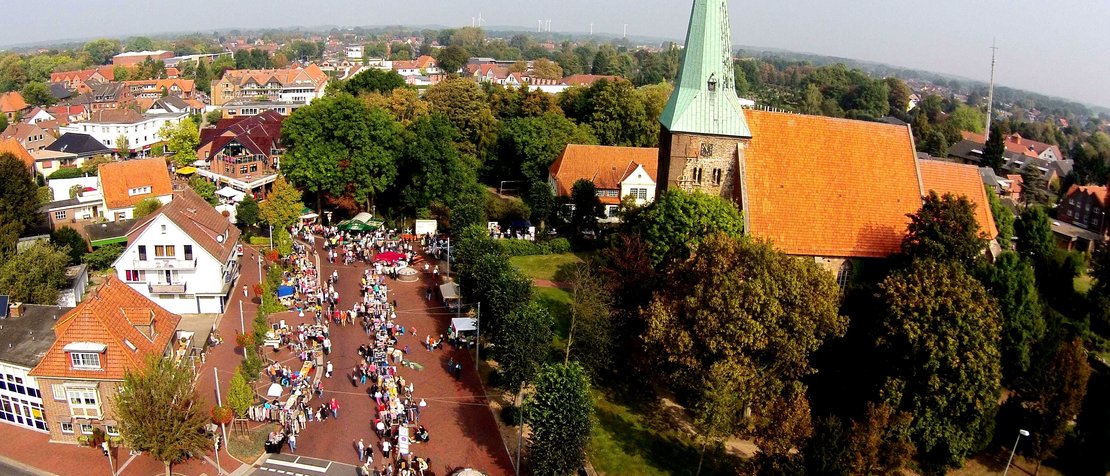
point(274, 391)
point(463, 324)
point(230, 194)
point(449, 291)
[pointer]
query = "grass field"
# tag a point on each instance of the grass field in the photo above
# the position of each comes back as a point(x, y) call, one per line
point(547, 266)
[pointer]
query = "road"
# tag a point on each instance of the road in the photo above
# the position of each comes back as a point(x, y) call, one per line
point(16, 469)
point(293, 465)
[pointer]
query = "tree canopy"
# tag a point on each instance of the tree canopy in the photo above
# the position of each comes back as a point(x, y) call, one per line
point(525, 332)
point(677, 221)
point(527, 146)
point(182, 139)
point(282, 206)
point(561, 415)
point(374, 80)
point(19, 203)
point(941, 331)
point(160, 412)
point(944, 229)
point(34, 275)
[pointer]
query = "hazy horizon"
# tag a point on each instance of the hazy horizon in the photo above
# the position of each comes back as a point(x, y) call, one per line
point(1045, 47)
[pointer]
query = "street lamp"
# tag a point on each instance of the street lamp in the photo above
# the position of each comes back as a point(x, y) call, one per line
point(1021, 433)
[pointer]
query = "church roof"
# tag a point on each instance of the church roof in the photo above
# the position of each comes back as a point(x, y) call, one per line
point(960, 180)
point(704, 99)
point(821, 186)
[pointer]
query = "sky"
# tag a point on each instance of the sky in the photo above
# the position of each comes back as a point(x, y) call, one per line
point(1051, 47)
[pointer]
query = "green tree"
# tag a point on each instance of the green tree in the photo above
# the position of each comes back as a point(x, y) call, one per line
point(1034, 188)
point(965, 118)
point(3, 122)
point(1034, 235)
point(338, 145)
point(205, 188)
point(587, 207)
point(430, 169)
point(1011, 281)
point(677, 221)
point(1003, 221)
point(1099, 294)
point(139, 43)
point(240, 395)
point(500, 287)
point(561, 416)
point(123, 146)
point(202, 77)
point(945, 229)
point(941, 331)
point(452, 58)
point(741, 304)
point(526, 330)
point(147, 206)
point(70, 239)
point(879, 443)
point(541, 202)
point(1046, 403)
point(247, 212)
point(591, 333)
point(374, 80)
point(995, 149)
point(34, 275)
point(102, 257)
point(19, 204)
point(934, 142)
point(101, 51)
point(38, 94)
point(465, 105)
point(182, 139)
point(160, 412)
point(899, 98)
point(282, 206)
point(213, 116)
point(872, 98)
point(614, 111)
point(526, 147)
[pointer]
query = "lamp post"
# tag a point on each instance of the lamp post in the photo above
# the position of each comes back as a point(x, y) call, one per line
point(1021, 433)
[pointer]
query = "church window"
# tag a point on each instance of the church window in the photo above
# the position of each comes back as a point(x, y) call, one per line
point(717, 176)
point(697, 175)
point(706, 149)
point(843, 276)
point(712, 85)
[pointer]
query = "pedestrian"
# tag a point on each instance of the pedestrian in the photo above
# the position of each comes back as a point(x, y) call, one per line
point(368, 454)
point(458, 370)
point(385, 449)
point(244, 290)
point(327, 372)
point(292, 442)
point(335, 408)
point(361, 448)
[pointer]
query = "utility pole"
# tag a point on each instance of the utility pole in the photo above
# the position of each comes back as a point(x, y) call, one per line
point(990, 92)
point(241, 324)
point(219, 400)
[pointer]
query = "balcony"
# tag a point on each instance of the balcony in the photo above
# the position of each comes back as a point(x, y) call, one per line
point(165, 263)
point(163, 288)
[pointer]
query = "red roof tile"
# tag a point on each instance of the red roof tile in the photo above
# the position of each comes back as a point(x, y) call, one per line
point(960, 180)
point(605, 166)
point(12, 101)
point(109, 317)
point(819, 186)
point(118, 178)
point(197, 219)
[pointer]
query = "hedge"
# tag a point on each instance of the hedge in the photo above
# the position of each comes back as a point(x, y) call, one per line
point(260, 241)
point(66, 173)
point(514, 247)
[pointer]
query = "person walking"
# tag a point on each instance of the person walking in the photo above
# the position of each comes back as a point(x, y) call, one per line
point(292, 442)
point(328, 369)
point(334, 408)
point(244, 290)
point(361, 446)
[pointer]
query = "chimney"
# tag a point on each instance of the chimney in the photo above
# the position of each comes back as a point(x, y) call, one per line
point(15, 309)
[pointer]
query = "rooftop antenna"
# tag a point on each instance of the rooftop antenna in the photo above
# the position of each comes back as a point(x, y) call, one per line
point(990, 91)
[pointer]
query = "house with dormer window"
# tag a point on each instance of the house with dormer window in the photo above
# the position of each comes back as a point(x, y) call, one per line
point(95, 345)
point(125, 184)
point(184, 256)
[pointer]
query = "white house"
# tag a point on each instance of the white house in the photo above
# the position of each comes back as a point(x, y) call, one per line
point(354, 51)
point(141, 130)
point(616, 172)
point(124, 184)
point(184, 257)
point(25, 337)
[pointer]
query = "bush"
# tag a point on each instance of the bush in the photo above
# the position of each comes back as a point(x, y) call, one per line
point(260, 241)
point(103, 257)
point(514, 247)
point(558, 246)
point(66, 173)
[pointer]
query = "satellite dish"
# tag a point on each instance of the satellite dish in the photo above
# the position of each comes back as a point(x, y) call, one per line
point(219, 238)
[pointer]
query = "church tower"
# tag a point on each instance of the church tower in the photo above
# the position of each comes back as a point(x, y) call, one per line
point(704, 133)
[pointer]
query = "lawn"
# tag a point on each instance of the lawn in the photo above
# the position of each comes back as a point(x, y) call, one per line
point(248, 445)
point(547, 266)
point(627, 441)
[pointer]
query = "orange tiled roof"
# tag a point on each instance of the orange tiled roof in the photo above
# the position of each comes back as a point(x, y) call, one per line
point(605, 166)
point(960, 180)
point(1016, 144)
point(12, 101)
point(12, 146)
point(109, 317)
point(1100, 192)
point(819, 186)
point(116, 178)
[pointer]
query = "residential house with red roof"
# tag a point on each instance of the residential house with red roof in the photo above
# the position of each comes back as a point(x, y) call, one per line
point(156, 88)
point(242, 152)
point(31, 136)
point(184, 256)
point(13, 105)
point(96, 343)
point(616, 172)
point(126, 183)
point(82, 81)
point(1086, 206)
point(292, 85)
point(1017, 144)
point(140, 132)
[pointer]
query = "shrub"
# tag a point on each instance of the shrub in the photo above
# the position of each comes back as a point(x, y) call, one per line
point(510, 415)
point(103, 257)
point(514, 247)
point(66, 173)
point(558, 245)
point(260, 241)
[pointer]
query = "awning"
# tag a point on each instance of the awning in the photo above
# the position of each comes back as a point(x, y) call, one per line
point(187, 170)
point(463, 324)
point(284, 291)
point(228, 192)
point(389, 257)
point(449, 291)
point(363, 217)
point(274, 390)
point(308, 214)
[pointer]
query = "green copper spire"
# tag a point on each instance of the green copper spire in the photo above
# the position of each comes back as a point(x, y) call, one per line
point(704, 99)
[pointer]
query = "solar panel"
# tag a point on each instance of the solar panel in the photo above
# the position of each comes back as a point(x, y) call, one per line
point(4, 305)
